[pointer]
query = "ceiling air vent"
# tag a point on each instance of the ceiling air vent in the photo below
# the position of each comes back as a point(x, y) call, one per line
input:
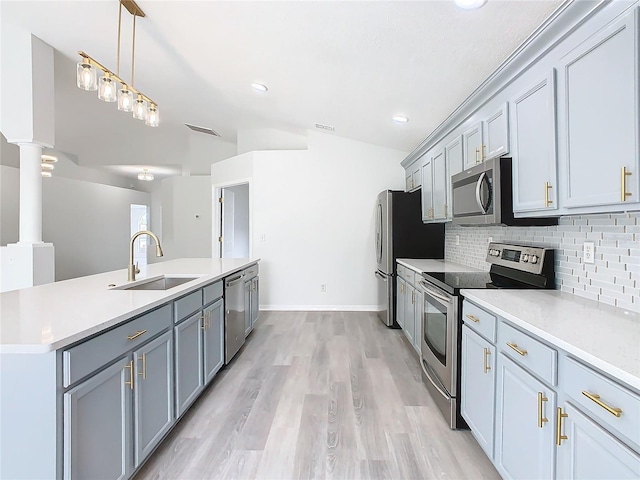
point(325, 127)
point(205, 130)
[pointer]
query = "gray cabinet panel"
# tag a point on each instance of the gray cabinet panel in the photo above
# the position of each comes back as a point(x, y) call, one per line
point(439, 188)
point(455, 163)
point(213, 292)
point(427, 191)
point(496, 132)
point(472, 145)
point(598, 85)
point(97, 425)
point(153, 394)
point(255, 300)
point(590, 452)
point(189, 376)
point(188, 304)
point(400, 301)
point(523, 449)
point(533, 120)
point(247, 308)
point(410, 312)
point(213, 334)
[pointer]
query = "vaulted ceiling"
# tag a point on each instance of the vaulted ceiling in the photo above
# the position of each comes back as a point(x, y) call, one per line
point(348, 64)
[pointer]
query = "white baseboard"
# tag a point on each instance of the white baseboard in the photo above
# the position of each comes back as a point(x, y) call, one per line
point(320, 308)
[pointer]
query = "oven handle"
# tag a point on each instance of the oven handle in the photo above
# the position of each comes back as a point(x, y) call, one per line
point(478, 186)
point(435, 385)
point(433, 293)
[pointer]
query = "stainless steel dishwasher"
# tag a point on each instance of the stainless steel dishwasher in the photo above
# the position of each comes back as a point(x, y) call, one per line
point(234, 315)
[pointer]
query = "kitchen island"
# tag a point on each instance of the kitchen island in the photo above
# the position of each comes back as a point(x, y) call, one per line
point(94, 372)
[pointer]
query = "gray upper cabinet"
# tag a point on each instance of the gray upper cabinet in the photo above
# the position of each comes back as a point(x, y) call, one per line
point(496, 134)
point(96, 423)
point(598, 117)
point(439, 188)
point(455, 162)
point(533, 130)
point(413, 176)
point(213, 340)
point(472, 145)
point(427, 190)
point(189, 353)
point(153, 395)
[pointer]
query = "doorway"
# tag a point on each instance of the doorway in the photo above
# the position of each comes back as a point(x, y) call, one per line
point(233, 221)
point(140, 221)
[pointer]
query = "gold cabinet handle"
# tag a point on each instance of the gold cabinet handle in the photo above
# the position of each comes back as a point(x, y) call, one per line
point(482, 147)
point(617, 412)
point(623, 184)
point(541, 399)
point(413, 297)
point(472, 318)
point(559, 435)
point(445, 209)
point(475, 158)
point(136, 335)
point(487, 367)
point(514, 346)
point(143, 358)
point(131, 375)
point(547, 201)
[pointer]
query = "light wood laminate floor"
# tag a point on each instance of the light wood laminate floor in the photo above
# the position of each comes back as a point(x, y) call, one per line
point(318, 395)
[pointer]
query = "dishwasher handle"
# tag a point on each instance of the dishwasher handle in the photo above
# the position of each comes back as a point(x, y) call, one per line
point(231, 282)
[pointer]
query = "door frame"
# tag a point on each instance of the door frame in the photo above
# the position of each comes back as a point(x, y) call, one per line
point(216, 230)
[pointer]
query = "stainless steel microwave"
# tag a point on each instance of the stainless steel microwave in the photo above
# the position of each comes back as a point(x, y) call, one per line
point(483, 195)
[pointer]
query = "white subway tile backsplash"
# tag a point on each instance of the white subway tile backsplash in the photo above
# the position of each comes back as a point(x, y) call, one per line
point(614, 277)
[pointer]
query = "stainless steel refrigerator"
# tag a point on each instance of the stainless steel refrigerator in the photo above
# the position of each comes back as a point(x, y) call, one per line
point(400, 233)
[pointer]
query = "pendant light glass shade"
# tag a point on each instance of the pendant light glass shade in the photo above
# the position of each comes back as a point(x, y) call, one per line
point(125, 99)
point(145, 175)
point(86, 76)
point(45, 174)
point(153, 118)
point(140, 109)
point(107, 89)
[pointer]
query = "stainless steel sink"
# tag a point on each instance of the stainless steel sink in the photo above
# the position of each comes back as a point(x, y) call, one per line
point(162, 283)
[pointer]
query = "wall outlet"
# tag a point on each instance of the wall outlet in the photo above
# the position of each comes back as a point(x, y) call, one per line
point(588, 252)
point(490, 239)
point(323, 287)
point(457, 239)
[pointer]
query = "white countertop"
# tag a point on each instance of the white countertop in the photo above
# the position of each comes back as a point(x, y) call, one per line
point(48, 317)
point(433, 265)
point(606, 337)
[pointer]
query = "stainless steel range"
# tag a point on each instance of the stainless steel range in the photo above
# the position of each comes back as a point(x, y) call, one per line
point(512, 266)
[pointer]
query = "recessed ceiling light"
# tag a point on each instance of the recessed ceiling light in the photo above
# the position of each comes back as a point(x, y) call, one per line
point(259, 87)
point(470, 4)
point(400, 119)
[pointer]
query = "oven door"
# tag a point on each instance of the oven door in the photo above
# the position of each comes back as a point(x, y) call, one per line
point(439, 335)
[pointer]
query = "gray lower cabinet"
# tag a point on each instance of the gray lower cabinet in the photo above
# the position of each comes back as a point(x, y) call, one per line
point(213, 340)
point(598, 110)
point(426, 195)
point(97, 425)
point(524, 440)
point(478, 387)
point(400, 301)
point(255, 301)
point(152, 395)
point(410, 313)
point(188, 358)
point(599, 455)
point(247, 308)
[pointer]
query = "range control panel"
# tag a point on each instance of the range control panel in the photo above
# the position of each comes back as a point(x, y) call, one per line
point(519, 257)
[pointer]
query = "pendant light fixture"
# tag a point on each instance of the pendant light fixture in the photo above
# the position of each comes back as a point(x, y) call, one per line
point(145, 175)
point(46, 165)
point(143, 107)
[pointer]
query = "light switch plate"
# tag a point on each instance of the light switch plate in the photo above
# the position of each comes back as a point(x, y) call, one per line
point(588, 251)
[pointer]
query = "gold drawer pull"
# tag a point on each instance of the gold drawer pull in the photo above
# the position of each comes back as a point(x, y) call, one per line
point(623, 184)
point(517, 350)
point(617, 412)
point(487, 367)
point(472, 318)
point(541, 420)
point(136, 335)
point(559, 435)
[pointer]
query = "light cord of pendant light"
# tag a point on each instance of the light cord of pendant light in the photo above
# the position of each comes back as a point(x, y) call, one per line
point(133, 49)
point(119, 28)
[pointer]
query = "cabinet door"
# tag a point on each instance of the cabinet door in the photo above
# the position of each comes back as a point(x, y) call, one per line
point(408, 181)
point(439, 171)
point(255, 300)
point(472, 145)
point(419, 309)
point(427, 192)
point(213, 340)
point(478, 387)
point(247, 308)
point(523, 449)
point(189, 376)
point(409, 313)
point(598, 110)
point(416, 175)
point(400, 301)
point(590, 452)
point(533, 121)
point(152, 395)
point(496, 133)
point(97, 425)
point(455, 163)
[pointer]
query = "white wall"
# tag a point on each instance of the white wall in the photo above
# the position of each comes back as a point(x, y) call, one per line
point(271, 139)
point(186, 217)
point(315, 209)
point(9, 212)
point(205, 150)
point(241, 240)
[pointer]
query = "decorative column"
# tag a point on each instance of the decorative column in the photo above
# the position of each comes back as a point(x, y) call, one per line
point(30, 193)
